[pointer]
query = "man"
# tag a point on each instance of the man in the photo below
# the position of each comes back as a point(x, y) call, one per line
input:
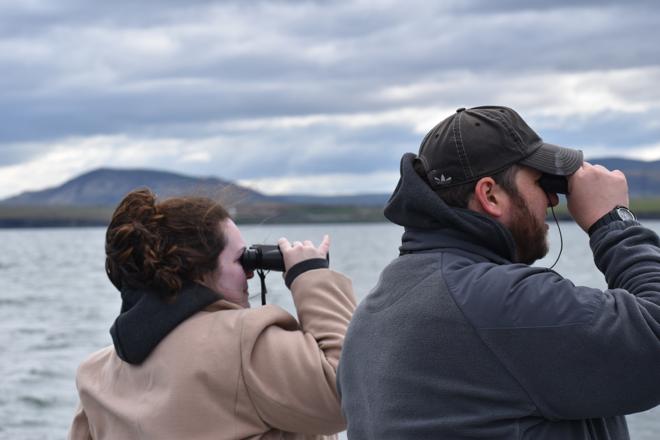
point(462, 339)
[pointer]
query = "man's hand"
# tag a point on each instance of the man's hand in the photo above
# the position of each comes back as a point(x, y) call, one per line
point(301, 251)
point(595, 191)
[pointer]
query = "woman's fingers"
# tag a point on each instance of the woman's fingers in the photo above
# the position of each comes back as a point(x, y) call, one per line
point(302, 250)
point(324, 247)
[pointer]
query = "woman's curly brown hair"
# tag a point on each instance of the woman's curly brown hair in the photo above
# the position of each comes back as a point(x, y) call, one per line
point(161, 245)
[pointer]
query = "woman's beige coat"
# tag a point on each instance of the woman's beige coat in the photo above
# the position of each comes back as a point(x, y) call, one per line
point(228, 373)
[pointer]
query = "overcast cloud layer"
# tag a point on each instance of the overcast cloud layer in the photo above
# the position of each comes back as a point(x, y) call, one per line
point(310, 97)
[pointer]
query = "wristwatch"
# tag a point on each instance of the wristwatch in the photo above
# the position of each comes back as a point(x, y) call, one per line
point(618, 213)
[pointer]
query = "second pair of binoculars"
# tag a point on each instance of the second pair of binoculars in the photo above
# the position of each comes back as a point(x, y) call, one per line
point(264, 257)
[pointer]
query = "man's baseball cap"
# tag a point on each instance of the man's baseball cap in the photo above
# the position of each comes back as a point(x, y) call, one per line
point(482, 141)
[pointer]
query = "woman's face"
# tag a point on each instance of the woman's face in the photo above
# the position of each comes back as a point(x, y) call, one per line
point(229, 278)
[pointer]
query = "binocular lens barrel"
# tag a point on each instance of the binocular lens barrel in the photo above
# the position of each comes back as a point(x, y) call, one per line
point(262, 256)
point(554, 184)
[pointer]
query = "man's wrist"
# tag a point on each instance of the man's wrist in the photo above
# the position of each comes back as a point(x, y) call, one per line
point(619, 213)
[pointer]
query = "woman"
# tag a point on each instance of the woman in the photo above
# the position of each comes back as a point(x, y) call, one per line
point(190, 359)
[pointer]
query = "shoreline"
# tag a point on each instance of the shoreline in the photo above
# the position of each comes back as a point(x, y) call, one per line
point(26, 216)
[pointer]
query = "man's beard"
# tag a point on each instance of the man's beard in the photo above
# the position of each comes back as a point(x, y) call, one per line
point(528, 233)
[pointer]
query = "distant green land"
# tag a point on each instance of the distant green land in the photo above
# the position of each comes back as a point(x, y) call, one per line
point(644, 208)
point(76, 216)
point(89, 199)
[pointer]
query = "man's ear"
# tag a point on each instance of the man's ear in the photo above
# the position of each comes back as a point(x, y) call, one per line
point(488, 198)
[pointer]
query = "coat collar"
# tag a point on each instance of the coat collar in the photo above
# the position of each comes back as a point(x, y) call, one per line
point(146, 319)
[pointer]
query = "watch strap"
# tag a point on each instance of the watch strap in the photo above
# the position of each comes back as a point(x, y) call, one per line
point(610, 217)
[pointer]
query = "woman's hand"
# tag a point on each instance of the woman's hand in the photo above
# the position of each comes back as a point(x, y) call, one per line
point(301, 251)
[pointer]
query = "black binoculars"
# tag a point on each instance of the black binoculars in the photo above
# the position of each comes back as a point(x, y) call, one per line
point(554, 184)
point(262, 256)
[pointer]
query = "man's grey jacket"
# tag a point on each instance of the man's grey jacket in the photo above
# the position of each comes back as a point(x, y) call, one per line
point(457, 342)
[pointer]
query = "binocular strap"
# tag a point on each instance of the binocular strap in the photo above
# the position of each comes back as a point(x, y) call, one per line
point(262, 277)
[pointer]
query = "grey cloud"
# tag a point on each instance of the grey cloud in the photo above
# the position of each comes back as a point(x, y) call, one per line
point(152, 111)
point(299, 58)
point(543, 5)
point(309, 151)
point(615, 131)
point(15, 154)
point(319, 150)
point(24, 18)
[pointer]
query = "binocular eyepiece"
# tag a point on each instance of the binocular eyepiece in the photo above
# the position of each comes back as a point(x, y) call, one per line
point(262, 256)
point(554, 184)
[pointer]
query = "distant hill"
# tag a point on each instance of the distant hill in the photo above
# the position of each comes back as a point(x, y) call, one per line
point(106, 187)
point(90, 198)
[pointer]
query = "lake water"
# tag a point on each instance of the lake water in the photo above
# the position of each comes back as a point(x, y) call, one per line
point(56, 306)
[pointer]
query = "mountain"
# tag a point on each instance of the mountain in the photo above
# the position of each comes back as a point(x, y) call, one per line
point(90, 198)
point(106, 187)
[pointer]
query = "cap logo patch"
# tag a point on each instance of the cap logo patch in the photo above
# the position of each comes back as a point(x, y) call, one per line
point(442, 180)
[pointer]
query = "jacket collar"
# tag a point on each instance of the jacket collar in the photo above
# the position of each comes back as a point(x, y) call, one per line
point(420, 240)
point(146, 319)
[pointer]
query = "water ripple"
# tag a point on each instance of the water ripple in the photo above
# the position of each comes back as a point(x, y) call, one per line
point(58, 305)
point(38, 402)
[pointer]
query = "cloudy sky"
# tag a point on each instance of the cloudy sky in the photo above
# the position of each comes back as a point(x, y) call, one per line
point(310, 97)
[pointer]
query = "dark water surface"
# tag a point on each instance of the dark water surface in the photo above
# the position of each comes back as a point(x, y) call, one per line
point(56, 306)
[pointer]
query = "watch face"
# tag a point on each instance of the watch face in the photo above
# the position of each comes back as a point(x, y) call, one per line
point(625, 214)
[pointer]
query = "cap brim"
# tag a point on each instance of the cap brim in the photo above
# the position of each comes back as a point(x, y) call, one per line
point(553, 159)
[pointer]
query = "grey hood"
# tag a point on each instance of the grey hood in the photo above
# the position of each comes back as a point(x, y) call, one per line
point(431, 224)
